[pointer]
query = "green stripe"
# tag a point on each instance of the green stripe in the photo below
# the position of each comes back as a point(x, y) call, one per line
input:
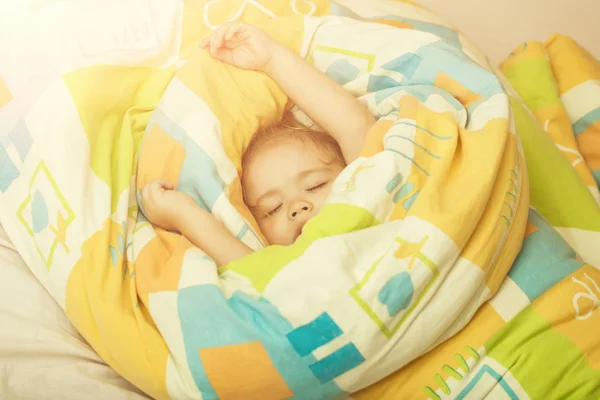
point(556, 190)
point(431, 394)
point(534, 81)
point(546, 363)
point(452, 372)
point(442, 384)
point(473, 353)
point(462, 363)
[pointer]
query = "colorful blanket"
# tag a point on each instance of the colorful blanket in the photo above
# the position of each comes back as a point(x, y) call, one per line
point(537, 337)
point(399, 267)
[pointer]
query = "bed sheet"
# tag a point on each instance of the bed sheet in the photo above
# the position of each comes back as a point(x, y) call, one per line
point(41, 355)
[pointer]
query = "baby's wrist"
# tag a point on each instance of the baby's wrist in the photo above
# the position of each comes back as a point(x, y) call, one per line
point(191, 216)
point(179, 212)
point(277, 49)
point(177, 218)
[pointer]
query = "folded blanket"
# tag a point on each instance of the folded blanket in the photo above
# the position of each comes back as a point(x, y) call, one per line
point(560, 83)
point(418, 234)
point(536, 338)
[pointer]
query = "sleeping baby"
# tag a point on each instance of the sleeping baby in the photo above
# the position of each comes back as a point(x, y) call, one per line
point(287, 169)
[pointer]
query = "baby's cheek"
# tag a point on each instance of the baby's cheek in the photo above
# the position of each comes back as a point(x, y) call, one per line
point(322, 199)
point(266, 228)
point(276, 230)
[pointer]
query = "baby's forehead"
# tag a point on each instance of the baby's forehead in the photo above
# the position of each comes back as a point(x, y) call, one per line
point(283, 156)
point(287, 155)
point(292, 140)
point(285, 150)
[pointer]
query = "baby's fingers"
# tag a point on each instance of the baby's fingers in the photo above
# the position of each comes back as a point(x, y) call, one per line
point(219, 36)
point(225, 35)
point(205, 42)
point(164, 185)
point(233, 30)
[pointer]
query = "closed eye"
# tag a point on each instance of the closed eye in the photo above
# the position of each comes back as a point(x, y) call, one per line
point(317, 187)
point(274, 211)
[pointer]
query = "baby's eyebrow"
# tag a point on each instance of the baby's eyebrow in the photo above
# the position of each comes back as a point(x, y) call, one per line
point(311, 171)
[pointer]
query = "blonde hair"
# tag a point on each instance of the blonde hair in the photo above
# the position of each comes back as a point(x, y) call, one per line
point(290, 128)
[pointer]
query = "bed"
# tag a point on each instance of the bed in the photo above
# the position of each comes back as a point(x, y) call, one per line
point(43, 355)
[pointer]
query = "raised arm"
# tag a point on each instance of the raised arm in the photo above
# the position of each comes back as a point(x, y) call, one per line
point(324, 101)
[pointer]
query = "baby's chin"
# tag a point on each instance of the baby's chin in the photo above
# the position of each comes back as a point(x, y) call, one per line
point(286, 239)
point(279, 240)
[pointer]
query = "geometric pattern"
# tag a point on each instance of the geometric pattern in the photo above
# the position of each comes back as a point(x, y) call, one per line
point(245, 365)
point(14, 148)
point(8, 170)
point(45, 214)
point(307, 338)
point(227, 340)
point(482, 378)
point(322, 330)
point(488, 372)
point(337, 363)
point(402, 292)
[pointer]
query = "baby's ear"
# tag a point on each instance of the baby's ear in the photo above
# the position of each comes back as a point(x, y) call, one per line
point(289, 120)
point(289, 106)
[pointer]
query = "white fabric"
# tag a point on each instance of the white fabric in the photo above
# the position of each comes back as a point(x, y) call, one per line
point(41, 354)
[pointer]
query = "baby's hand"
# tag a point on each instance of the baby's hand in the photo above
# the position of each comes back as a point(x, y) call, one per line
point(241, 45)
point(164, 206)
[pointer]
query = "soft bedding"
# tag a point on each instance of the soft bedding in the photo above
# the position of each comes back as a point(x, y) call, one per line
point(419, 234)
point(537, 337)
point(41, 354)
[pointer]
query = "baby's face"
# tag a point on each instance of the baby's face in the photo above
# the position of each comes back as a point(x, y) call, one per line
point(286, 185)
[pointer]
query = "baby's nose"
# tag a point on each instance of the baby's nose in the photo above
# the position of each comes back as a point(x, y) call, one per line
point(295, 213)
point(299, 208)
